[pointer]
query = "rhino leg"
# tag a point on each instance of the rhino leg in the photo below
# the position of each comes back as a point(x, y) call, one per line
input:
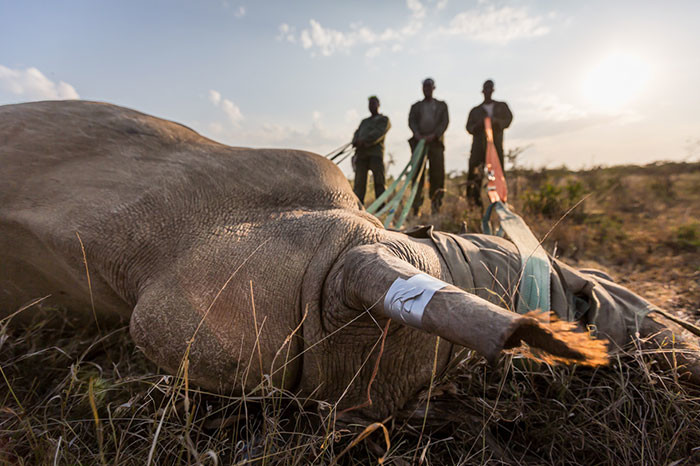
point(162, 326)
point(462, 318)
point(221, 349)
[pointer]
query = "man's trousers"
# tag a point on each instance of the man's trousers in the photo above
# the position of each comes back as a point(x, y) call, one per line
point(436, 177)
point(362, 165)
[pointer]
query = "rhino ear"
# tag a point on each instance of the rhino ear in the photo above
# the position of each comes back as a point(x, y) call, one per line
point(374, 278)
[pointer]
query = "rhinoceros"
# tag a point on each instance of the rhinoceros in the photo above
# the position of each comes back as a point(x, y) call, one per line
point(251, 263)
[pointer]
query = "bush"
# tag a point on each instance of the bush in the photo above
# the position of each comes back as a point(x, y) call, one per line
point(663, 189)
point(687, 236)
point(553, 201)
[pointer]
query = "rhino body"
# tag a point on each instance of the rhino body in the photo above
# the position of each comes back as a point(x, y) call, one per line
point(246, 262)
point(176, 226)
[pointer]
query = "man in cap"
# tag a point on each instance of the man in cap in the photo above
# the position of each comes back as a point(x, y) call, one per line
point(500, 119)
point(369, 150)
point(428, 120)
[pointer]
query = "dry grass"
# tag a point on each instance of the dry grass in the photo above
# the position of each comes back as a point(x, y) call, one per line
point(73, 394)
point(65, 378)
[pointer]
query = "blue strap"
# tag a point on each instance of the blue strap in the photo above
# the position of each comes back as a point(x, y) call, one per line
point(534, 290)
point(486, 224)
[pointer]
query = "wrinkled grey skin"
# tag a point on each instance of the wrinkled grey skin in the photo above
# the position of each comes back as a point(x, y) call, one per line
point(263, 259)
point(167, 217)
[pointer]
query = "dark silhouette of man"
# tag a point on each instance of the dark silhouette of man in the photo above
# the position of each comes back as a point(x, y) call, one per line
point(369, 150)
point(428, 120)
point(501, 118)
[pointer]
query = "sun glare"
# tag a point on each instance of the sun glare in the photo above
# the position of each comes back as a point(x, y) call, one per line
point(616, 81)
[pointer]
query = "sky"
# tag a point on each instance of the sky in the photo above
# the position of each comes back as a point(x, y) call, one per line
point(589, 83)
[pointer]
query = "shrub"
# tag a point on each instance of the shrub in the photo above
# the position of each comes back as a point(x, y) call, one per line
point(663, 189)
point(554, 201)
point(687, 236)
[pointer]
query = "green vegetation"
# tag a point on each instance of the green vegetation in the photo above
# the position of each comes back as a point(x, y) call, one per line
point(688, 236)
point(552, 200)
point(73, 394)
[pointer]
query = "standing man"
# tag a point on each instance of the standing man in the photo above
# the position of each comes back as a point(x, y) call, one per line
point(428, 120)
point(369, 150)
point(500, 119)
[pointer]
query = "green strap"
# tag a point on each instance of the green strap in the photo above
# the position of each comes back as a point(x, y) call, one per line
point(414, 190)
point(386, 194)
point(534, 287)
point(398, 197)
point(391, 198)
point(395, 200)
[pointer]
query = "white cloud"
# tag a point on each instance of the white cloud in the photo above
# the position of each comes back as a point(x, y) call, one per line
point(216, 128)
point(229, 108)
point(287, 33)
point(548, 106)
point(232, 110)
point(313, 134)
point(544, 114)
point(32, 84)
point(352, 116)
point(214, 97)
point(441, 4)
point(327, 41)
point(373, 52)
point(497, 25)
point(239, 12)
point(417, 8)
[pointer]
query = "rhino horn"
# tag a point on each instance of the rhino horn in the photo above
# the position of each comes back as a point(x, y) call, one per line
point(370, 277)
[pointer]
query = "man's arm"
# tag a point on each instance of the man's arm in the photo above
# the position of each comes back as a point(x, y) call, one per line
point(474, 123)
point(377, 131)
point(413, 117)
point(443, 121)
point(502, 116)
point(356, 138)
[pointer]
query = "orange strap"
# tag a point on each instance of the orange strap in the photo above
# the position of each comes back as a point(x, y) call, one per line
point(496, 187)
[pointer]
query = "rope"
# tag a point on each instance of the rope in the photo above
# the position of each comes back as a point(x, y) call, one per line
point(692, 328)
point(349, 153)
point(334, 153)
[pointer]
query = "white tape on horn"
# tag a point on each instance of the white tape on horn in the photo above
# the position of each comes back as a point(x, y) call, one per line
point(406, 299)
